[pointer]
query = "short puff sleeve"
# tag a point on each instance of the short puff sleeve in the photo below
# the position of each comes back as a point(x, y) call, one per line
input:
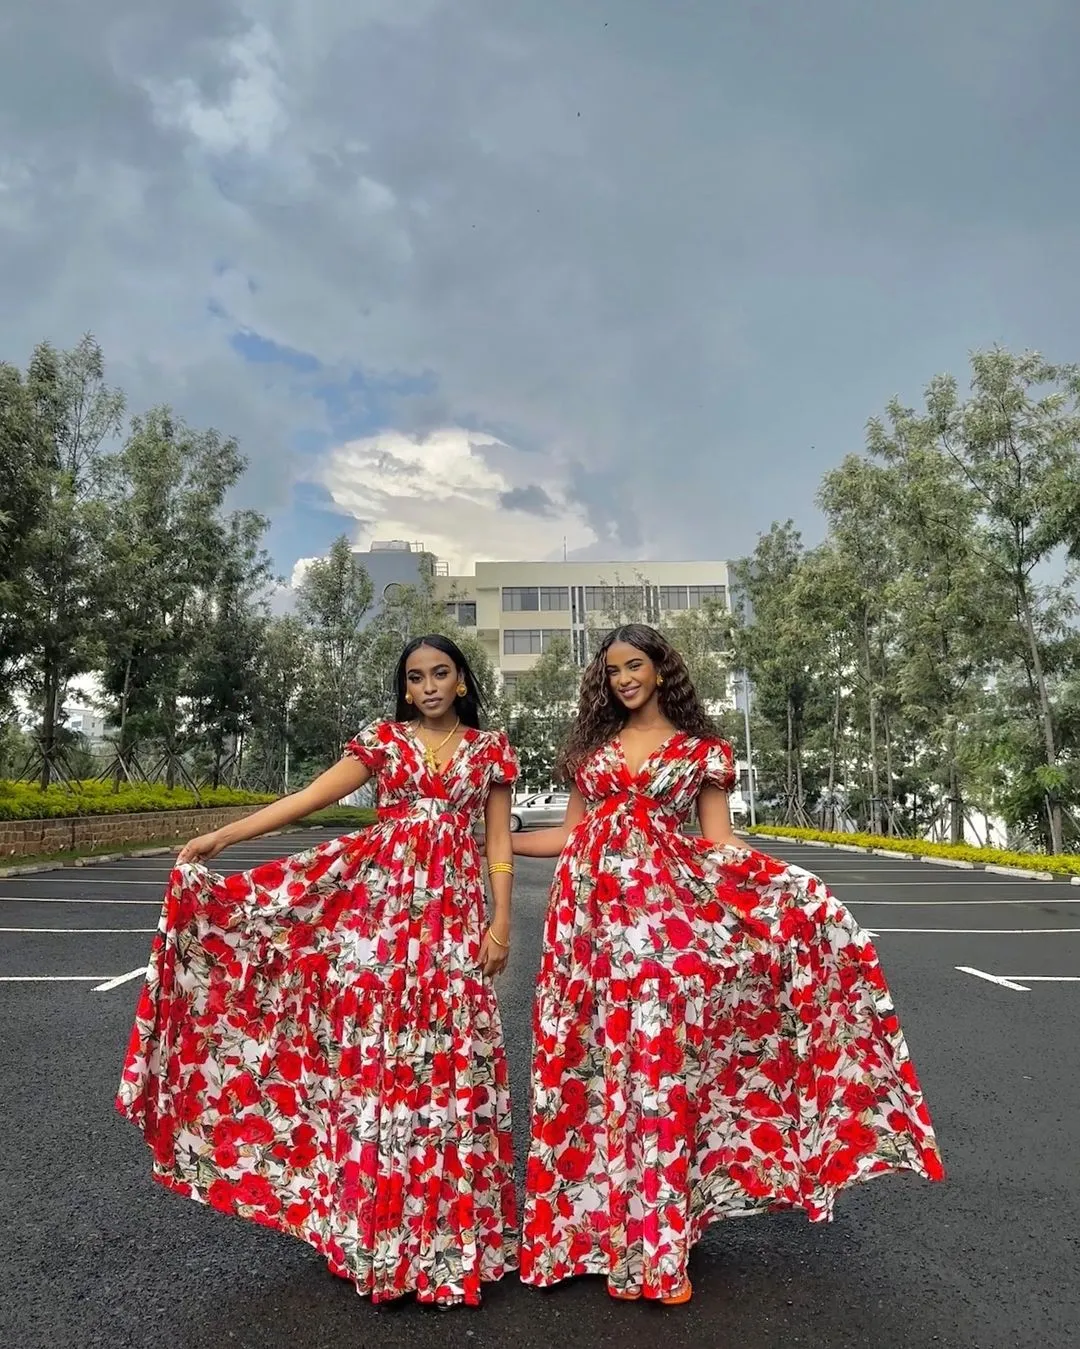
point(370, 746)
point(505, 768)
point(719, 765)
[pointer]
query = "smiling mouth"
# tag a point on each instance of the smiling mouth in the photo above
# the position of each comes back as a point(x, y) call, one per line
point(630, 693)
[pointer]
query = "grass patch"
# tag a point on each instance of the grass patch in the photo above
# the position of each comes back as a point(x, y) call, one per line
point(1063, 864)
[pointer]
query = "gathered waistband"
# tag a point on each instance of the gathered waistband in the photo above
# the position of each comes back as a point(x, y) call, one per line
point(427, 808)
point(644, 810)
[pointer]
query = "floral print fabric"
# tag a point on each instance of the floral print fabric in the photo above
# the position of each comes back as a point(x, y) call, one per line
point(316, 1050)
point(713, 1037)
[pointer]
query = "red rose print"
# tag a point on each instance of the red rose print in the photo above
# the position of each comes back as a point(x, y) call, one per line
point(255, 1129)
point(573, 1163)
point(767, 1138)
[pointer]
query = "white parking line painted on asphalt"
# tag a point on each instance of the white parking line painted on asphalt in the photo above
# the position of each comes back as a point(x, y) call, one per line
point(147, 903)
point(110, 984)
point(83, 931)
point(985, 931)
point(994, 979)
point(52, 978)
point(1046, 978)
point(923, 903)
point(938, 883)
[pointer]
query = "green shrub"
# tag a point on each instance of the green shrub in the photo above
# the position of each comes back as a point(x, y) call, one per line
point(1064, 864)
point(25, 801)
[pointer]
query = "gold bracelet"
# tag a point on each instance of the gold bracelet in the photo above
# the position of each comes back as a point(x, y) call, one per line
point(500, 868)
point(504, 944)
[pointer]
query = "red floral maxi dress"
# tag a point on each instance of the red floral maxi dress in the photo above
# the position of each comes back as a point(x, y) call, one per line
point(316, 1050)
point(713, 1037)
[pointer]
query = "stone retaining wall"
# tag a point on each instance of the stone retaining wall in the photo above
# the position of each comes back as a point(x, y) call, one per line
point(37, 838)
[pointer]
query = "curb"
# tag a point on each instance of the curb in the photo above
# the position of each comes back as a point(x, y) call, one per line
point(1019, 871)
point(103, 859)
point(953, 862)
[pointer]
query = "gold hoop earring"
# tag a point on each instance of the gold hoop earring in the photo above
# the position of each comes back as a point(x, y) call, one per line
point(461, 689)
point(659, 680)
point(408, 698)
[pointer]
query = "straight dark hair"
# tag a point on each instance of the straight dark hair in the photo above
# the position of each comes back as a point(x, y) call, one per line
point(469, 708)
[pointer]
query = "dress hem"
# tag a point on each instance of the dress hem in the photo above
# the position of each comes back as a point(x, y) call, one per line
point(459, 1296)
point(598, 1264)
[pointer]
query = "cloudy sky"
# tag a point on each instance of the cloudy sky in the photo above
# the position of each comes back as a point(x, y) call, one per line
point(496, 274)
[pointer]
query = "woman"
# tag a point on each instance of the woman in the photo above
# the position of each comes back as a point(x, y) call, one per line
point(318, 1046)
point(713, 1033)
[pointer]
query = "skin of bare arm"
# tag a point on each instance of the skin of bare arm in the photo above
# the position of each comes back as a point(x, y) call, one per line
point(346, 776)
point(497, 846)
point(715, 818)
point(551, 842)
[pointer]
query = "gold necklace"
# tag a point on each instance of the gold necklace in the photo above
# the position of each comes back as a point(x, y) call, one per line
point(429, 753)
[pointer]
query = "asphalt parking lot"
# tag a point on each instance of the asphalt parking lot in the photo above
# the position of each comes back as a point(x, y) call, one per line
point(985, 971)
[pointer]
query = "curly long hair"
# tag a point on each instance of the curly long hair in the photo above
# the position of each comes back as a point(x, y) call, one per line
point(470, 708)
point(601, 716)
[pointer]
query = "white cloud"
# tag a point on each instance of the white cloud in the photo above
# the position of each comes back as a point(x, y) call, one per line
point(448, 490)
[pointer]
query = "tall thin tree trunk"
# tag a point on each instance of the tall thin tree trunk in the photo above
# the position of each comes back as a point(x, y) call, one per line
point(790, 778)
point(956, 800)
point(48, 725)
point(1053, 804)
point(875, 773)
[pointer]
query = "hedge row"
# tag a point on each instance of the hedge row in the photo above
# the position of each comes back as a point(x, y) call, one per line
point(1064, 864)
point(24, 801)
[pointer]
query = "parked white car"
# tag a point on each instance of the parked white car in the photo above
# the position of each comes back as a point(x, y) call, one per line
point(545, 808)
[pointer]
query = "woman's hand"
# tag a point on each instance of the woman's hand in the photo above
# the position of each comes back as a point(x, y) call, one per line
point(201, 849)
point(493, 956)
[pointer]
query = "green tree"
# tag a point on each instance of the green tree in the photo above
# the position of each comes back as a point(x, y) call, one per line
point(949, 623)
point(333, 603)
point(167, 543)
point(780, 652)
point(278, 758)
point(856, 498)
point(74, 414)
point(539, 714)
point(228, 636)
point(1016, 440)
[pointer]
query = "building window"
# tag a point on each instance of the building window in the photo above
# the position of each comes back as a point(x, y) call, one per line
point(598, 599)
point(554, 598)
point(699, 595)
point(673, 597)
point(520, 599)
point(522, 641)
point(531, 641)
point(463, 612)
point(510, 685)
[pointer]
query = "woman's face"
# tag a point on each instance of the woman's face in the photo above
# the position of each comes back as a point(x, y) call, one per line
point(432, 678)
point(631, 675)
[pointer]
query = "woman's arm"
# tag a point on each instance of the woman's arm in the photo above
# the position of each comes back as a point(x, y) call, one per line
point(715, 818)
point(346, 776)
point(495, 947)
point(551, 842)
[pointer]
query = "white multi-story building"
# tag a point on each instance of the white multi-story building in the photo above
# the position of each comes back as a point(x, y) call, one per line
point(519, 608)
